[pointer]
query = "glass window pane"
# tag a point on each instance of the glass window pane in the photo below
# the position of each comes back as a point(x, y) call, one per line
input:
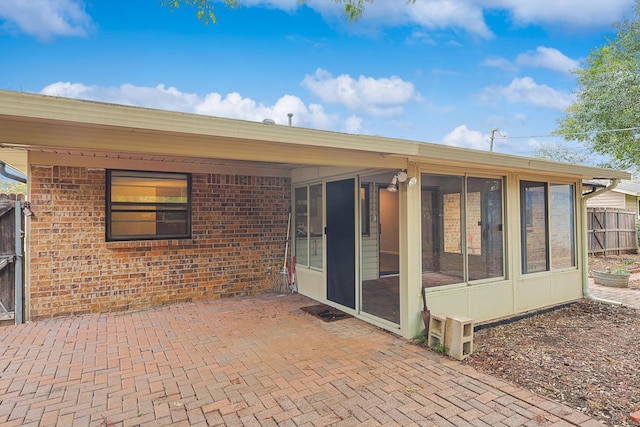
point(302, 225)
point(452, 223)
point(474, 223)
point(133, 223)
point(442, 258)
point(171, 223)
point(365, 221)
point(562, 230)
point(534, 227)
point(136, 189)
point(485, 251)
point(148, 205)
point(315, 226)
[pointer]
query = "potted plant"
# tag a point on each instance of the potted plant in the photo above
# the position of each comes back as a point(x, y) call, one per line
point(617, 277)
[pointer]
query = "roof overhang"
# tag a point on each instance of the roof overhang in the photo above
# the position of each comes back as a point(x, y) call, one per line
point(30, 122)
point(16, 159)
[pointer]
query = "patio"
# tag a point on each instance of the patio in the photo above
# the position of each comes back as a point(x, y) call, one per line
point(257, 361)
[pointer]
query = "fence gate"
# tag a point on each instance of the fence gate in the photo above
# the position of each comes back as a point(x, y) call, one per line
point(9, 256)
point(611, 231)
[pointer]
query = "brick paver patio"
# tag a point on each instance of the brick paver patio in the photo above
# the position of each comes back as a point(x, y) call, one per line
point(628, 296)
point(254, 361)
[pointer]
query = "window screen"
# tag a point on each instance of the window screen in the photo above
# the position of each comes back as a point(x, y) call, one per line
point(148, 205)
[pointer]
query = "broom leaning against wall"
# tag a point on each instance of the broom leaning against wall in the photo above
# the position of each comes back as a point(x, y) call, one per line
point(283, 280)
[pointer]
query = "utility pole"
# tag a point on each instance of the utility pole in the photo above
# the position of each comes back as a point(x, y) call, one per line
point(493, 134)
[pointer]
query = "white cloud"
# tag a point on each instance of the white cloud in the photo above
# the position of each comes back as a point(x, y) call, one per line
point(441, 14)
point(547, 57)
point(45, 19)
point(383, 97)
point(469, 16)
point(433, 15)
point(420, 37)
point(574, 13)
point(353, 124)
point(233, 105)
point(542, 57)
point(501, 63)
point(126, 94)
point(525, 90)
point(464, 137)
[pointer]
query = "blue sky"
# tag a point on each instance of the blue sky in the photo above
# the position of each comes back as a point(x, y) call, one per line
point(442, 71)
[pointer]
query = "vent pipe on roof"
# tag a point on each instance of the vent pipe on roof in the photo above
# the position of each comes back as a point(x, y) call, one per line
point(4, 172)
point(290, 115)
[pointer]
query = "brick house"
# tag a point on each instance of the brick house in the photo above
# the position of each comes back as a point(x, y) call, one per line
point(134, 207)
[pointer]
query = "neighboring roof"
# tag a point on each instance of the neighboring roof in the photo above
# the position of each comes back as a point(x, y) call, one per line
point(61, 125)
point(624, 187)
point(628, 187)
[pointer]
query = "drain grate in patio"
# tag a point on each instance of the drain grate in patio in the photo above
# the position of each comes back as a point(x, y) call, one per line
point(326, 313)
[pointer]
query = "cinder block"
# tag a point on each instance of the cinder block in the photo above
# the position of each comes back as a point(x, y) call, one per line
point(437, 326)
point(459, 337)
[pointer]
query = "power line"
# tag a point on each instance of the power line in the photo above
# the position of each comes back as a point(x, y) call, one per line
point(568, 134)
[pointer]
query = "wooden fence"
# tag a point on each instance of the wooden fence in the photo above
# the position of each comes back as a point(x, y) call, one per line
point(7, 251)
point(611, 231)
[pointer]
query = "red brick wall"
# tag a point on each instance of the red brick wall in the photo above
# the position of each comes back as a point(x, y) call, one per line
point(238, 232)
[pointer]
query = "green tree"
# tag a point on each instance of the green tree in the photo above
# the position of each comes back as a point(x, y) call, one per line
point(606, 114)
point(561, 153)
point(12, 187)
point(205, 9)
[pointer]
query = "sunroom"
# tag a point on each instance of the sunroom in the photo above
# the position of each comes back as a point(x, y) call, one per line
point(481, 244)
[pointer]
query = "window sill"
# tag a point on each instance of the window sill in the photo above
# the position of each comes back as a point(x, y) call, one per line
point(128, 244)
